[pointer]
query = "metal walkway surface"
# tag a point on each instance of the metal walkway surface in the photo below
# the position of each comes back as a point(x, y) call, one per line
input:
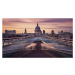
point(37, 50)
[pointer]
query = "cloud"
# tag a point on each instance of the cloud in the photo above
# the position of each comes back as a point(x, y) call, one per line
point(61, 27)
point(58, 20)
point(19, 21)
point(50, 28)
point(11, 21)
point(33, 20)
point(55, 24)
point(64, 27)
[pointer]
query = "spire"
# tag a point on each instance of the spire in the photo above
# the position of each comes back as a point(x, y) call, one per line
point(37, 24)
point(25, 30)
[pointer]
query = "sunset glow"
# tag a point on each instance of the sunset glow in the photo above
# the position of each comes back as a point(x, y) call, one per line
point(47, 24)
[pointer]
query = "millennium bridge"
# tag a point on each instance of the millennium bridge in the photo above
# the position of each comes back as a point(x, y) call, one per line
point(40, 47)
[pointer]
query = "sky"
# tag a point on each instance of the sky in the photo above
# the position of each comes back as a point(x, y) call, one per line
point(47, 24)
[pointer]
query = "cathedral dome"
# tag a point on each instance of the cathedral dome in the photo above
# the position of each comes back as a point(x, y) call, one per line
point(37, 27)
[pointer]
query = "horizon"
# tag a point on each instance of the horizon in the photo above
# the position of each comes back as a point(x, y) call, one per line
point(47, 24)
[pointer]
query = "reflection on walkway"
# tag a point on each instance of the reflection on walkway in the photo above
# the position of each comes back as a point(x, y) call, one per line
point(39, 49)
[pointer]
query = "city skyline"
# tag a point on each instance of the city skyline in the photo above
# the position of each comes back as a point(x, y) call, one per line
point(47, 24)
